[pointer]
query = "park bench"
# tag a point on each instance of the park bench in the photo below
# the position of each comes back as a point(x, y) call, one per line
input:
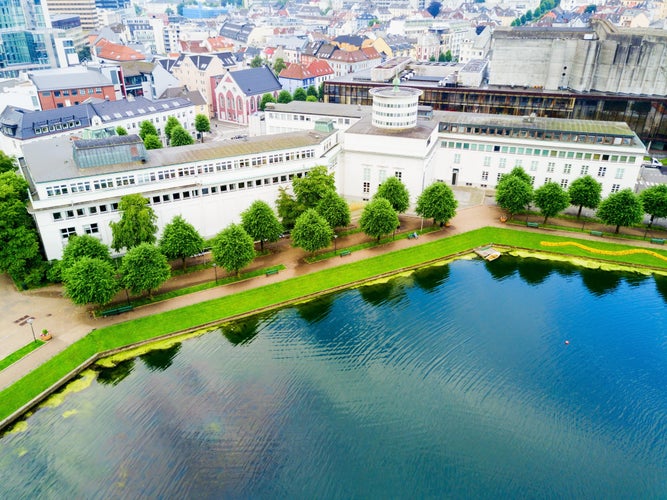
point(343, 253)
point(532, 224)
point(658, 241)
point(413, 235)
point(117, 310)
point(596, 233)
point(271, 271)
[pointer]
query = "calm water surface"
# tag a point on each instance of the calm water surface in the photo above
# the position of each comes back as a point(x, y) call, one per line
point(453, 382)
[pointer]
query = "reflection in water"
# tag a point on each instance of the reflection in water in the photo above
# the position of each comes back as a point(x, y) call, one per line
point(160, 359)
point(430, 278)
point(600, 282)
point(661, 286)
point(115, 374)
point(535, 271)
point(242, 331)
point(378, 294)
point(502, 268)
point(317, 309)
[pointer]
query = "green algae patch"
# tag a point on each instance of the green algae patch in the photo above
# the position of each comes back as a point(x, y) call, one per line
point(79, 384)
point(70, 413)
point(20, 426)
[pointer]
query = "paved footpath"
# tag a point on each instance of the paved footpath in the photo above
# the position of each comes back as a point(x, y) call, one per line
point(68, 323)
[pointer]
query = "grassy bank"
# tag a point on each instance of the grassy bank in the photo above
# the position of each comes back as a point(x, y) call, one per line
point(280, 293)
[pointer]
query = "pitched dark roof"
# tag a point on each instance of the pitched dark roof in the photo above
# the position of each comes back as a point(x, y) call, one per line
point(256, 81)
point(25, 124)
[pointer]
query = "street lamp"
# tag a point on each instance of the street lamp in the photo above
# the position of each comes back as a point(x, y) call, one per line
point(29, 321)
point(215, 270)
point(335, 239)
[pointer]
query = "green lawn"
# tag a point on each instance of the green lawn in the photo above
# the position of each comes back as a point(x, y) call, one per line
point(280, 293)
point(16, 355)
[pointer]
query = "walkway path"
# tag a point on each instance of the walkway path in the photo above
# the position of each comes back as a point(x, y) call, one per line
point(68, 323)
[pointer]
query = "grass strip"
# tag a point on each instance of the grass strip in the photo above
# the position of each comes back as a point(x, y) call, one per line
point(279, 293)
point(16, 355)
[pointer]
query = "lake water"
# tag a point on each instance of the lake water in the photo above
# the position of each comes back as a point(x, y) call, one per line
point(454, 382)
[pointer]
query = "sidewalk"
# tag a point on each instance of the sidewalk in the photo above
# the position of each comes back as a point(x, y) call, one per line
point(68, 323)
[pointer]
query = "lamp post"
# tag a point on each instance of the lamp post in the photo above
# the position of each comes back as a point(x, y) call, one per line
point(29, 321)
point(335, 239)
point(215, 270)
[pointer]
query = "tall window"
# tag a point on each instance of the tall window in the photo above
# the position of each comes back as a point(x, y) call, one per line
point(399, 175)
point(563, 183)
point(615, 188)
point(485, 175)
point(602, 171)
point(584, 170)
point(567, 168)
point(550, 166)
point(619, 173)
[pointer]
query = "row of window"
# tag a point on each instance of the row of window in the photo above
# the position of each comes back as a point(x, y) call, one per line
point(551, 153)
point(173, 173)
point(84, 211)
point(551, 166)
point(43, 129)
point(74, 92)
point(548, 135)
point(297, 117)
point(564, 183)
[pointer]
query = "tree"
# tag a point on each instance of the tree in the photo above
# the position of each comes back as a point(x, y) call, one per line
point(311, 231)
point(320, 92)
point(91, 281)
point(144, 268)
point(396, 193)
point(311, 91)
point(284, 97)
point(654, 200)
point(180, 240)
point(311, 98)
point(180, 137)
point(121, 130)
point(288, 208)
point(136, 224)
point(521, 174)
point(378, 218)
point(233, 248)
point(513, 194)
point(266, 98)
point(261, 223)
point(621, 209)
point(7, 163)
point(80, 246)
point(152, 142)
point(257, 62)
point(147, 128)
point(300, 94)
point(202, 124)
point(311, 188)
point(437, 202)
point(585, 192)
point(172, 122)
point(434, 8)
point(279, 65)
point(334, 209)
point(551, 199)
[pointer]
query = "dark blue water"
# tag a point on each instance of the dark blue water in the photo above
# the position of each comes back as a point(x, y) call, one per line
point(454, 382)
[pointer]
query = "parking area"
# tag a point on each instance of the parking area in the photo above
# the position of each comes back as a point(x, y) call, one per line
point(651, 176)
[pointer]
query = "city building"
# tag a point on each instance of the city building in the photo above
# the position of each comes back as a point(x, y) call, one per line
point(239, 93)
point(85, 9)
point(70, 86)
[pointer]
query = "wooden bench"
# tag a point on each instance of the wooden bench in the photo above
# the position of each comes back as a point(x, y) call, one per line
point(413, 235)
point(532, 224)
point(658, 241)
point(116, 310)
point(343, 253)
point(596, 233)
point(271, 271)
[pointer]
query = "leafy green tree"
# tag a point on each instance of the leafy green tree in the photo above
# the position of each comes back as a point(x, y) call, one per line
point(311, 231)
point(7, 163)
point(172, 122)
point(152, 142)
point(551, 199)
point(136, 224)
point(261, 223)
point(312, 187)
point(84, 245)
point(621, 209)
point(180, 137)
point(654, 200)
point(13, 187)
point(147, 128)
point(395, 191)
point(448, 56)
point(279, 65)
point(585, 192)
point(284, 97)
point(513, 194)
point(233, 249)
point(121, 130)
point(437, 202)
point(257, 62)
point(91, 281)
point(378, 218)
point(202, 124)
point(334, 209)
point(300, 94)
point(288, 208)
point(311, 98)
point(144, 268)
point(311, 91)
point(180, 240)
point(521, 174)
point(266, 98)
point(320, 92)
